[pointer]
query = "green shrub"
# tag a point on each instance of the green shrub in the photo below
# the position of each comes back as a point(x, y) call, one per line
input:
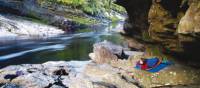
point(90, 7)
point(71, 2)
point(65, 2)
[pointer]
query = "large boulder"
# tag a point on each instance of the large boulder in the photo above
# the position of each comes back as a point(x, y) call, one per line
point(107, 52)
point(102, 76)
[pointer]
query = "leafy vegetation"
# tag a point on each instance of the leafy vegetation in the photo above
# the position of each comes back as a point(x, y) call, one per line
point(71, 2)
point(114, 18)
point(86, 12)
point(91, 7)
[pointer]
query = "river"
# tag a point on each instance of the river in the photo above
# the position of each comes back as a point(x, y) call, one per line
point(67, 47)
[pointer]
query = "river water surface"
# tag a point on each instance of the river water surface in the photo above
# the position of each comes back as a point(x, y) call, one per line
point(73, 46)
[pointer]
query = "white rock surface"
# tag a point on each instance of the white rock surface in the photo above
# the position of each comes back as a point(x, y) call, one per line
point(43, 75)
point(13, 26)
point(79, 74)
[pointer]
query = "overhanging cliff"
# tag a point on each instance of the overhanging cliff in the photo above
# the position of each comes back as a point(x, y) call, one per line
point(173, 24)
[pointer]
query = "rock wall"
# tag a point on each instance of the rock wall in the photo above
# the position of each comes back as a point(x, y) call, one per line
point(173, 24)
point(138, 10)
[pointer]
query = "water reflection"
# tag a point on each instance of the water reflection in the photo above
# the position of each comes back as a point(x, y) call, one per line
point(66, 47)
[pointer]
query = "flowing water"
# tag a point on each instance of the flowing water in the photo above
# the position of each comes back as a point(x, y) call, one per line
point(73, 46)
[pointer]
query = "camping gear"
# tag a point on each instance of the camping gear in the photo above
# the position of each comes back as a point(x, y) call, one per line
point(152, 64)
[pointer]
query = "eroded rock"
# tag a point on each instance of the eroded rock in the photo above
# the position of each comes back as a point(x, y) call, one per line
point(171, 24)
point(82, 74)
point(176, 75)
point(102, 76)
point(189, 23)
point(107, 52)
point(43, 75)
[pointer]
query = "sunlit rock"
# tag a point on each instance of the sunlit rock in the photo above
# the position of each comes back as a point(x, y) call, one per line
point(14, 26)
point(107, 52)
point(80, 74)
point(190, 22)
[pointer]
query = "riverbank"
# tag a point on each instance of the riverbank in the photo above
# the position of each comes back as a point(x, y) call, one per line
point(158, 28)
point(13, 26)
point(47, 18)
point(72, 74)
point(113, 72)
point(66, 47)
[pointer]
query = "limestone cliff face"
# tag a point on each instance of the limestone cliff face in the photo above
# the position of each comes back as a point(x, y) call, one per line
point(174, 24)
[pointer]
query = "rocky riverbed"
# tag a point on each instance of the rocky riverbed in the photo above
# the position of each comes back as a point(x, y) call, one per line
point(114, 72)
